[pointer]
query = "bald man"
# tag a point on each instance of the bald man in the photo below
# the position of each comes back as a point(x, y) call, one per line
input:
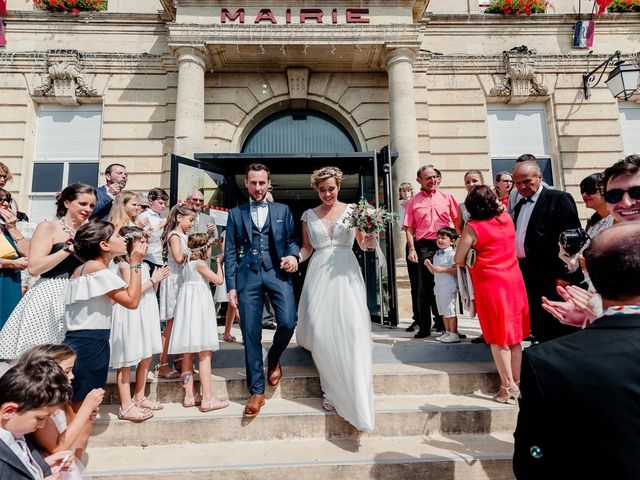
point(580, 407)
point(204, 223)
point(540, 216)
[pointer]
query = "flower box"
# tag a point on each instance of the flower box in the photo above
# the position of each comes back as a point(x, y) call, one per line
point(624, 6)
point(71, 6)
point(516, 7)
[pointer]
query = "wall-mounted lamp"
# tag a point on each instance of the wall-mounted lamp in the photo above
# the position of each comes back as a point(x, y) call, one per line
point(622, 80)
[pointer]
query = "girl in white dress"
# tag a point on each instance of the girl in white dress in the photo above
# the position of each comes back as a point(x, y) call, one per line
point(333, 318)
point(62, 429)
point(89, 298)
point(195, 326)
point(174, 253)
point(135, 334)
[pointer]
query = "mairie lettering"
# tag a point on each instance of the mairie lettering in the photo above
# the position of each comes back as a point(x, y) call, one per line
point(303, 16)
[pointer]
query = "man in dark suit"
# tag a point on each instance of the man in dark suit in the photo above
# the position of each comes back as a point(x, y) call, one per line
point(540, 216)
point(260, 254)
point(116, 176)
point(580, 407)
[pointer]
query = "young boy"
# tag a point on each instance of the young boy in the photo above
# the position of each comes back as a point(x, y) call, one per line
point(446, 283)
point(29, 394)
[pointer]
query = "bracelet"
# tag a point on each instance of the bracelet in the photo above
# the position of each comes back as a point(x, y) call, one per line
point(18, 239)
point(136, 268)
point(153, 284)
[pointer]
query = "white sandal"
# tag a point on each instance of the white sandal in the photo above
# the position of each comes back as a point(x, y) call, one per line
point(140, 417)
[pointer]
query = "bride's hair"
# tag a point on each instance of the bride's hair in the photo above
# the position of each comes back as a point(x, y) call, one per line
point(325, 173)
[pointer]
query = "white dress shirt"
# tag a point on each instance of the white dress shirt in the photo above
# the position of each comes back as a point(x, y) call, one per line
point(154, 245)
point(21, 450)
point(259, 213)
point(522, 223)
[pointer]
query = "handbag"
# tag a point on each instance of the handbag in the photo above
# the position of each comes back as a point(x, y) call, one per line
point(470, 259)
point(7, 252)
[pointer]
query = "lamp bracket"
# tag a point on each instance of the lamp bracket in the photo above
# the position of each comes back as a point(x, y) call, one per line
point(588, 79)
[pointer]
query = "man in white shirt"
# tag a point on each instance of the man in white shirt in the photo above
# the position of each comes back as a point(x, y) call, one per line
point(540, 216)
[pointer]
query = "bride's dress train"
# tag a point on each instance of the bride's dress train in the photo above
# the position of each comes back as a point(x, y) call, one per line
point(334, 322)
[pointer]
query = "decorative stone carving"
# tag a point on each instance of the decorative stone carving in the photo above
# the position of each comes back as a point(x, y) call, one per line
point(65, 82)
point(298, 79)
point(520, 81)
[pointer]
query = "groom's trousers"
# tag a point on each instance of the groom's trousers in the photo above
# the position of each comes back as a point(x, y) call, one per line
point(250, 302)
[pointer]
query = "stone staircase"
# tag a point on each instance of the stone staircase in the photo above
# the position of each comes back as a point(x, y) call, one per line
point(434, 420)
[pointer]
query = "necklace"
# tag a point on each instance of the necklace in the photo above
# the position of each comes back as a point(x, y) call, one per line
point(67, 229)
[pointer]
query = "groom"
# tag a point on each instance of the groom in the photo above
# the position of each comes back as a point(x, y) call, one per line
point(260, 254)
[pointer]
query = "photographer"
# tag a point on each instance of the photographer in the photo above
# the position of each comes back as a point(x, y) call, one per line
point(621, 192)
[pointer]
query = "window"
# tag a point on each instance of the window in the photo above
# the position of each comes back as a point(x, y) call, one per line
point(515, 130)
point(67, 151)
point(630, 126)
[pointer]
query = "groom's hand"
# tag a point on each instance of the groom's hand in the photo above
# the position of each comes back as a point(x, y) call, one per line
point(233, 298)
point(289, 264)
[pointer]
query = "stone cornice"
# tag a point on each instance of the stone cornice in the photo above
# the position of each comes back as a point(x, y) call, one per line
point(98, 23)
point(494, 64)
point(88, 62)
point(294, 34)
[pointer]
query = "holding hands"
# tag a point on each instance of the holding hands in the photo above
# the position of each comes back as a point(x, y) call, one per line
point(289, 264)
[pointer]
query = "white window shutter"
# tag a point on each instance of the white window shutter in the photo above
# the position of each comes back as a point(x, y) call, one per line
point(517, 129)
point(630, 125)
point(43, 207)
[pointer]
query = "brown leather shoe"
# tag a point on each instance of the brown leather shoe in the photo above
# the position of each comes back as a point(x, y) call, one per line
point(274, 375)
point(253, 405)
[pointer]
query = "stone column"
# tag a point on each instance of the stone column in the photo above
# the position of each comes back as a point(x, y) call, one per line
point(189, 126)
point(402, 122)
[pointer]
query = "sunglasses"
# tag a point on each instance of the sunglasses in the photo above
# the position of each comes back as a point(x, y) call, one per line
point(616, 195)
point(589, 191)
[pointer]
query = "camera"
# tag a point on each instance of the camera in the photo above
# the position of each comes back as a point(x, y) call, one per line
point(573, 240)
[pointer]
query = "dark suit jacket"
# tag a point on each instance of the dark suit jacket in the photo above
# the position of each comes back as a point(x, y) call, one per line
point(103, 204)
point(581, 405)
point(238, 241)
point(11, 468)
point(554, 212)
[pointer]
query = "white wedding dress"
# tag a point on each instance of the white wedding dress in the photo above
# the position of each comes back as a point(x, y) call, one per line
point(334, 322)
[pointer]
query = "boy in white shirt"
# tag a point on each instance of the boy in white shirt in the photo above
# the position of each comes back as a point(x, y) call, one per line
point(445, 289)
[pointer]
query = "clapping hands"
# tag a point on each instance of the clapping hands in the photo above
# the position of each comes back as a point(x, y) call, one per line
point(577, 309)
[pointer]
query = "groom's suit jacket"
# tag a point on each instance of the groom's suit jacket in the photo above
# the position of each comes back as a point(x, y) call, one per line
point(238, 241)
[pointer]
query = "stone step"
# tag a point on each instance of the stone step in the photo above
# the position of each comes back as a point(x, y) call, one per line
point(303, 381)
point(304, 418)
point(436, 457)
point(389, 346)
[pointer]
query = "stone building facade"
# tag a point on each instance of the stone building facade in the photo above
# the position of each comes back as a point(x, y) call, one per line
point(439, 81)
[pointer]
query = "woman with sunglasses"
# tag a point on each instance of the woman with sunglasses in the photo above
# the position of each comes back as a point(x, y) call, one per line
point(10, 268)
point(591, 191)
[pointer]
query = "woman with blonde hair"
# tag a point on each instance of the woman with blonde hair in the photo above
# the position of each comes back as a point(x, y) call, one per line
point(333, 317)
point(125, 209)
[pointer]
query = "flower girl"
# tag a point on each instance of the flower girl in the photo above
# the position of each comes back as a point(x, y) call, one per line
point(195, 329)
point(135, 334)
point(174, 249)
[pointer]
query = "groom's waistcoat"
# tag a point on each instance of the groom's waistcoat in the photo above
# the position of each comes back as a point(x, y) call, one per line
point(263, 250)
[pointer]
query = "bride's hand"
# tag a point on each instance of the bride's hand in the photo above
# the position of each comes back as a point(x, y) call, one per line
point(370, 241)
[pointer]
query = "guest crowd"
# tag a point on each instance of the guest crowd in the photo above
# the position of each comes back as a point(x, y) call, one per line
point(111, 281)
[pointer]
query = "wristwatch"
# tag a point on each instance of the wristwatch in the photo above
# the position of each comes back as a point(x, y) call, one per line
point(136, 267)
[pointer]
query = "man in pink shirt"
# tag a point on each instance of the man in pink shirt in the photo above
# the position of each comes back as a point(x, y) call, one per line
point(427, 212)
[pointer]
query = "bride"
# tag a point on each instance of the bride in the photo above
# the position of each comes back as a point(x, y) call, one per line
point(333, 317)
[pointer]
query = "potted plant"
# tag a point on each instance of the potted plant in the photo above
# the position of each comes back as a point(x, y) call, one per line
point(71, 6)
point(516, 7)
point(624, 6)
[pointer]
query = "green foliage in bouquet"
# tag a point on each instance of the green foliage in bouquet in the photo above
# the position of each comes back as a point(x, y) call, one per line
point(368, 218)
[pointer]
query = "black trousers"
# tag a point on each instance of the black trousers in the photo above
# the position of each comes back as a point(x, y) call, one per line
point(426, 298)
point(413, 271)
point(538, 284)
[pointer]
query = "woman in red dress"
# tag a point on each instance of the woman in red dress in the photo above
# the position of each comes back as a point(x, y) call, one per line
point(500, 295)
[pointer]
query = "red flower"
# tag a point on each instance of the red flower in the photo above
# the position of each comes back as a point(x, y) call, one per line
point(75, 10)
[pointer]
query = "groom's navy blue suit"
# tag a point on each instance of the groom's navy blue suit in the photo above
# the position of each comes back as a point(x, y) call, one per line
point(252, 267)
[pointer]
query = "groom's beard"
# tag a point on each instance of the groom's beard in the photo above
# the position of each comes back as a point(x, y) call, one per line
point(255, 199)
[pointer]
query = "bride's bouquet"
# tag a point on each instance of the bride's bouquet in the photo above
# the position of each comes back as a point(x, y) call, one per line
point(368, 218)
